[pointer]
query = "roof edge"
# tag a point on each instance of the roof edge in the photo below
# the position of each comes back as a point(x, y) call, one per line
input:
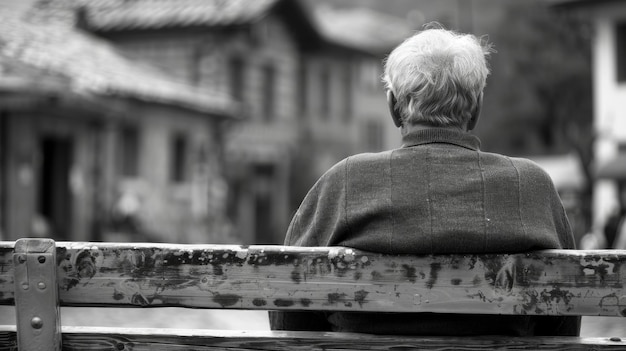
point(574, 4)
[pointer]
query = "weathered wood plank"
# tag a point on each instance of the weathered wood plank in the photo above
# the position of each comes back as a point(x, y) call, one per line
point(552, 282)
point(115, 339)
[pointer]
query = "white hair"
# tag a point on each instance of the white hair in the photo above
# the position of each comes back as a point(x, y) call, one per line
point(437, 77)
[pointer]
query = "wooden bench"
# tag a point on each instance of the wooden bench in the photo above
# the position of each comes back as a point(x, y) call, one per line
point(39, 275)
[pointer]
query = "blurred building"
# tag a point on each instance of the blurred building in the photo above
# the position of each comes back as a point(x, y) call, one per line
point(609, 71)
point(309, 81)
point(96, 146)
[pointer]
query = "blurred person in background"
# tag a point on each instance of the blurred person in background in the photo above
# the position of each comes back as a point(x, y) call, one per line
point(611, 229)
point(620, 229)
point(438, 193)
point(612, 235)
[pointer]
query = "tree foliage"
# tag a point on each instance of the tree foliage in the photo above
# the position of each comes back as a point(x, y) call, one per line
point(542, 77)
point(542, 86)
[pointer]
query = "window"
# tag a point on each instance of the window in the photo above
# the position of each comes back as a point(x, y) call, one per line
point(235, 191)
point(258, 34)
point(129, 151)
point(179, 149)
point(371, 74)
point(325, 93)
point(235, 78)
point(620, 50)
point(268, 86)
point(303, 88)
point(347, 92)
point(195, 69)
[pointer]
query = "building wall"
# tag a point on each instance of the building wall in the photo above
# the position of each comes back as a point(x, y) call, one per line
point(263, 145)
point(609, 108)
point(62, 163)
point(272, 160)
point(339, 131)
point(259, 141)
point(3, 172)
point(168, 203)
point(26, 173)
point(330, 125)
point(373, 109)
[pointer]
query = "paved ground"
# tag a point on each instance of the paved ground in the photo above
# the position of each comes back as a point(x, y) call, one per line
point(225, 319)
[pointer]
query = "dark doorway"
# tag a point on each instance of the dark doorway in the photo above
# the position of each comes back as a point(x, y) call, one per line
point(55, 200)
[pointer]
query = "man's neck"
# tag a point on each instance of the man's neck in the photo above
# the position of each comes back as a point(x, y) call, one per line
point(412, 128)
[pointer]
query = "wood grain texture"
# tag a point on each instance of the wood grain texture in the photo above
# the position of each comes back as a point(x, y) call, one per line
point(80, 338)
point(552, 282)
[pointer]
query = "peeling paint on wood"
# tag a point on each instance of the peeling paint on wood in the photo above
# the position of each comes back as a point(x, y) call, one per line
point(551, 282)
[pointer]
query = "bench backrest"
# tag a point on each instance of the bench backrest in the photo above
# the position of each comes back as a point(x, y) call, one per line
point(38, 275)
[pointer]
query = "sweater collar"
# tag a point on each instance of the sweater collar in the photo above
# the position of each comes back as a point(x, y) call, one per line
point(441, 135)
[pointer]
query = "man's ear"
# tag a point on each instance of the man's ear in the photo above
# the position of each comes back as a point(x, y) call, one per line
point(391, 102)
point(475, 114)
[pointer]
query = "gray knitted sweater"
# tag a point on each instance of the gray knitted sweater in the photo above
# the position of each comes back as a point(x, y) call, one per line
point(437, 194)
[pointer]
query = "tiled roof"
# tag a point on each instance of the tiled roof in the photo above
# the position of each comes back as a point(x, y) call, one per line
point(362, 28)
point(358, 28)
point(104, 15)
point(95, 67)
point(580, 3)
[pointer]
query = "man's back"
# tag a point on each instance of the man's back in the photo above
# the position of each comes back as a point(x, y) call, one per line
point(437, 194)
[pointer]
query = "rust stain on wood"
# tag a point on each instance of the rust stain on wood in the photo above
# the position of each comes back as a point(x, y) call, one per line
point(86, 264)
point(477, 280)
point(360, 296)
point(283, 303)
point(409, 272)
point(226, 300)
point(295, 277)
point(435, 267)
point(259, 302)
point(334, 298)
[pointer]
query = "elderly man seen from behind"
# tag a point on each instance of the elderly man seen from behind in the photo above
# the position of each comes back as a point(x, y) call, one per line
point(438, 193)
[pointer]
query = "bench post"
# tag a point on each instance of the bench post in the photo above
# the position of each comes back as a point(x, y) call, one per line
point(36, 295)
